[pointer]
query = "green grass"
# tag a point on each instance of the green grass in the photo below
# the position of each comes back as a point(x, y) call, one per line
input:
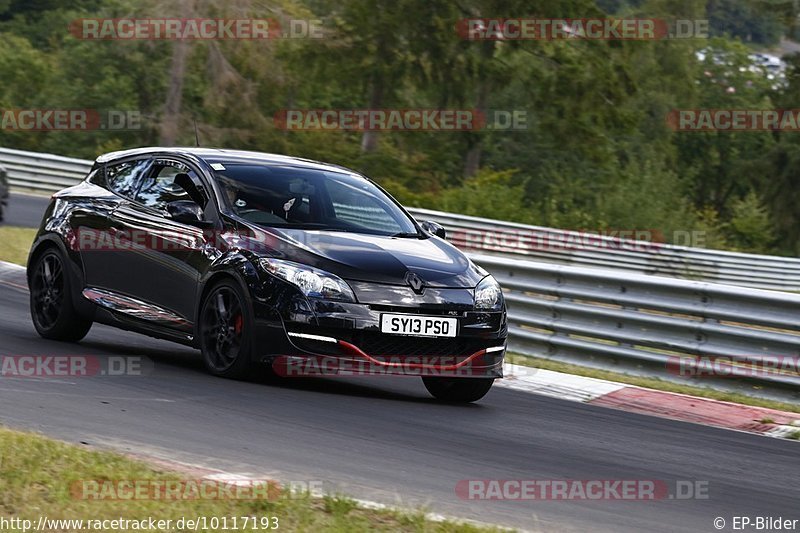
point(37, 473)
point(15, 244)
point(651, 383)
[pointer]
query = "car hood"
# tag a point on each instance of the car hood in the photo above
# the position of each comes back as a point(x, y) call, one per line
point(373, 258)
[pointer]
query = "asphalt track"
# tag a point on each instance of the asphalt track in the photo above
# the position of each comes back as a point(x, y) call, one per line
point(383, 439)
point(25, 210)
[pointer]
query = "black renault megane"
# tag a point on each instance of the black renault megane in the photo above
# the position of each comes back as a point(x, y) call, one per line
point(257, 258)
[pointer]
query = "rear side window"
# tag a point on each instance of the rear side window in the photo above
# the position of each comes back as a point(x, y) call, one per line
point(123, 178)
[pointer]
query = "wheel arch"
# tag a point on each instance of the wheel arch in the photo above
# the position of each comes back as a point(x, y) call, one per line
point(73, 266)
point(40, 246)
point(236, 271)
point(53, 241)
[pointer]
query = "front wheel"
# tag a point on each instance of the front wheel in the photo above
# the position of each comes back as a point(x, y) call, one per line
point(226, 331)
point(458, 390)
point(52, 310)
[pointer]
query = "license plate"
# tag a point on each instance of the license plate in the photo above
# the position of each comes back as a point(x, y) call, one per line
point(420, 326)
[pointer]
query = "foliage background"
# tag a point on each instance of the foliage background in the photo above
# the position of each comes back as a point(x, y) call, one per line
point(597, 153)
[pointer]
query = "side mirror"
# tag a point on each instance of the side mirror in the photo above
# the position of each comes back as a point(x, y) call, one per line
point(187, 212)
point(435, 228)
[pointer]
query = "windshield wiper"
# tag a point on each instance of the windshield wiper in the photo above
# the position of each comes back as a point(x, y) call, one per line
point(406, 234)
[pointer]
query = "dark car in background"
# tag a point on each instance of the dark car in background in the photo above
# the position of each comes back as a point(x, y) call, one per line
point(4, 188)
point(260, 258)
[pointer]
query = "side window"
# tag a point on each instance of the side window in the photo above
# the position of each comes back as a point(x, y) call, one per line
point(160, 188)
point(122, 178)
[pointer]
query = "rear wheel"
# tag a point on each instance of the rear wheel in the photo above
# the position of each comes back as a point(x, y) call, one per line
point(226, 331)
point(52, 310)
point(458, 390)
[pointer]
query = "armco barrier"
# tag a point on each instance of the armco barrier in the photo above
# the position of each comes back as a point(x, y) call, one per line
point(46, 172)
point(550, 245)
point(656, 325)
point(42, 172)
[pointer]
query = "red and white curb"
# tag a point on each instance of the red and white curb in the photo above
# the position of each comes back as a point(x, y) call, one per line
point(760, 420)
point(555, 384)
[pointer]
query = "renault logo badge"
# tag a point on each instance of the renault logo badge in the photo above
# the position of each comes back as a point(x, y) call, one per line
point(415, 282)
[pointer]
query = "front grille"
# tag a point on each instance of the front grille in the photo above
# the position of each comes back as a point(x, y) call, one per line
point(442, 310)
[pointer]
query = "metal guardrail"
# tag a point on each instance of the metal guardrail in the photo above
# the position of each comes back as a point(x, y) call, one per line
point(50, 173)
point(536, 243)
point(42, 172)
point(670, 328)
point(614, 314)
point(45, 172)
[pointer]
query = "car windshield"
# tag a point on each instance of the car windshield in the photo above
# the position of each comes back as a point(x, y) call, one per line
point(294, 197)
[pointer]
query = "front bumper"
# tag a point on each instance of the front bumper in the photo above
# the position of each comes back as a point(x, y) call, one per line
point(308, 337)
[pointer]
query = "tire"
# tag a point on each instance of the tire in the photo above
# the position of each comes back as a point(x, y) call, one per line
point(226, 331)
point(2, 211)
point(52, 309)
point(458, 390)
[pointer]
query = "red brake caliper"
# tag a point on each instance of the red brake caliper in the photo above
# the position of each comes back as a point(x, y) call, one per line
point(238, 324)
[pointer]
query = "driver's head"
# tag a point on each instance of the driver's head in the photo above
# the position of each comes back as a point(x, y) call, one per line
point(231, 194)
point(230, 191)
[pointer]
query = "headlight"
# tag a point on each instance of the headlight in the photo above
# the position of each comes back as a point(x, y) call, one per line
point(488, 295)
point(311, 281)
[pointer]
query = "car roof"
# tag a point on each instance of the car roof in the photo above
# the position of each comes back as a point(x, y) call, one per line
point(222, 155)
